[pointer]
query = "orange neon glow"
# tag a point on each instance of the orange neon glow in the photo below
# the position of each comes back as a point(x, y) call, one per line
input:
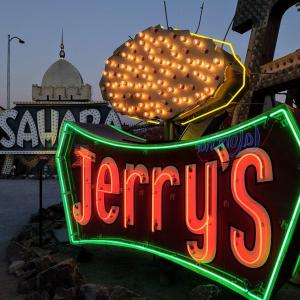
point(223, 156)
point(131, 173)
point(256, 257)
point(82, 210)
point(207, 226)
point(159, 177)
point(108, 167)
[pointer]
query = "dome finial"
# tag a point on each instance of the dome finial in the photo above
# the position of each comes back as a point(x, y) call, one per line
point(62, 47)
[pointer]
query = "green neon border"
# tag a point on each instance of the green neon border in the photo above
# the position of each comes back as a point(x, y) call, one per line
point(297, 266)
point(70, 129)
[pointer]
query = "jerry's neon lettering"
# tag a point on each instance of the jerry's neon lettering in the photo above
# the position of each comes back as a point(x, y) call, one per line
point(108, 183)
point(256, 257)
point(131, 173)
point(159, 178)
point(108, 169)
point(82, 211)
point(207, 226)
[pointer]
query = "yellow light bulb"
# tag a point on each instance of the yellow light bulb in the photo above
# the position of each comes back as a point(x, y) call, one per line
point(196, 42)
point(216, 61)
point(179, 67)
point(198, 62)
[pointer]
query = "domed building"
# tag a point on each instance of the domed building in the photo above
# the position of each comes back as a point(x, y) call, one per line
point(62, 81)
point(30, 131)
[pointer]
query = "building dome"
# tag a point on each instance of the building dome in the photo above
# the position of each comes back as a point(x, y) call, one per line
point(62, 82)
point(62, 74)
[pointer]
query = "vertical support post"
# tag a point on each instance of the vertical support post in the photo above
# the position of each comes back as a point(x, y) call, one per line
point(169, 131)
point(8, 74)
point(41, 207)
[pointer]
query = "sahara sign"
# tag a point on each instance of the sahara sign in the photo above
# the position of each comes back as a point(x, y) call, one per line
point(35, 128)
point(225, 206)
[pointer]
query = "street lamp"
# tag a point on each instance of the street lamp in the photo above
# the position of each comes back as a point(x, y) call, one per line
point(9, 39)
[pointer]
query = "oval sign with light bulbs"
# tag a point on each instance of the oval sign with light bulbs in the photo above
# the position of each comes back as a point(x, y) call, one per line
point(168, 74)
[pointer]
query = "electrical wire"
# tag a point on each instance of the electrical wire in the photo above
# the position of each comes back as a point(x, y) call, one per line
point(166, 14)
point(201, 11)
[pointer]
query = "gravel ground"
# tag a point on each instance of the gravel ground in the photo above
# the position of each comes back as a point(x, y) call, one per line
point(19, 199)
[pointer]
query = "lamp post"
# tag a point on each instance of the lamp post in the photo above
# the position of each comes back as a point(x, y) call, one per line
point(9, 39)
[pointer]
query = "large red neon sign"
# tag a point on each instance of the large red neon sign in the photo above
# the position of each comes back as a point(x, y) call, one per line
point(197, 208)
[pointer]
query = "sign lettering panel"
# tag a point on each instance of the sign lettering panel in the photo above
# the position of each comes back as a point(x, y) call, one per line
point(225, 206)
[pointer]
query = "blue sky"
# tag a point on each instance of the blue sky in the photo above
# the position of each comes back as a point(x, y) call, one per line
point(93, 29)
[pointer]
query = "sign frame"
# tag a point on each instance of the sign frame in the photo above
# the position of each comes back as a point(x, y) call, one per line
point(281, 113)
